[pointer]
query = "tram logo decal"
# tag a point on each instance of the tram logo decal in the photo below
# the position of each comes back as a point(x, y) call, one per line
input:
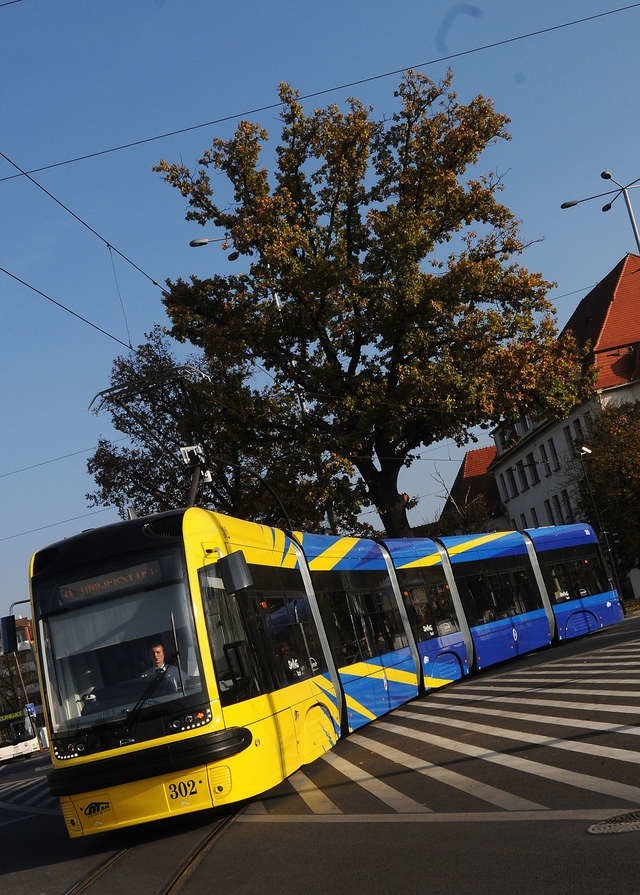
point(95, 808)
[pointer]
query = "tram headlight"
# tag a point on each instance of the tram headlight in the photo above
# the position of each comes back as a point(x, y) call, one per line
point(68, 750)
point(191, 720)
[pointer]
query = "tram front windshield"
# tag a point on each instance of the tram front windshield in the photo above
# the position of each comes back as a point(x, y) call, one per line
point(121, 642)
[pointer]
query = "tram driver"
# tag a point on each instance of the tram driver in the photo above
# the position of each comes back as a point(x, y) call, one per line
point(160, 666)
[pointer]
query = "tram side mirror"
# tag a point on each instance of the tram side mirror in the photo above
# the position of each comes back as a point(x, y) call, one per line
point(8, 636)
point(235, 572)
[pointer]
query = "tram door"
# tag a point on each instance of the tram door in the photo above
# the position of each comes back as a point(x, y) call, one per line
point(361, 618)
point(501, 599)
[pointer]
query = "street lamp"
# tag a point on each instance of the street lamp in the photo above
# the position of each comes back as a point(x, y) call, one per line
point(205, 240)
point(622, 189)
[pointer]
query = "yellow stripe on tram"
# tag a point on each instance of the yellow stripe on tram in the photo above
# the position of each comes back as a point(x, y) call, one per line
point(333, 555)
point(434, 682)
point(431, 560)
point(362, 669)
point(477, 542)
point(356, 706)
point(401, 677)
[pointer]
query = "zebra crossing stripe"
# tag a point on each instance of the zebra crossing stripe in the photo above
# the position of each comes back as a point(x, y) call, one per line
point(313, 797)
point(468, 785)
point(488, 689)
point(524, 765)
point(533, 739)
point(387, 794)
point(552, 720)
point(550, 703)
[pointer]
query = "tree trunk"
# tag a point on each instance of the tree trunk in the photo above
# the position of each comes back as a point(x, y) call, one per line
point(382, 485)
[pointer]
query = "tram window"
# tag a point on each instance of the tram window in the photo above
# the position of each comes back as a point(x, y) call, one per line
point(575, 574)
point(428, 601)
point(496, 589)
point(360, 614)
point(262, 638)
point(384, 617)
point(349, 635)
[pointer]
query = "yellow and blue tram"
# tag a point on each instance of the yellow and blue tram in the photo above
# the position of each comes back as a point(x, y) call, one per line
point(272, 645)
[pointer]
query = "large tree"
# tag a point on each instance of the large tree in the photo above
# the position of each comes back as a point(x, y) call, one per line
point(249, 439)
point(610, 480)
point(378, 278)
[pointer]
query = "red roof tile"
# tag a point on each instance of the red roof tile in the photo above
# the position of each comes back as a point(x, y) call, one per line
point(608, 318)
point(477, 462)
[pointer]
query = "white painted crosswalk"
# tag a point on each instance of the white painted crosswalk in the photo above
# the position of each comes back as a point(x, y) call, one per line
point(570, 724)
point(20, 797)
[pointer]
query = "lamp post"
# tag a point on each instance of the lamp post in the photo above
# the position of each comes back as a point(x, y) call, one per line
point(622, 189)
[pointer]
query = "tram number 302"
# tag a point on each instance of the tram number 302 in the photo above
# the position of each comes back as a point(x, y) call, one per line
point(182, 790)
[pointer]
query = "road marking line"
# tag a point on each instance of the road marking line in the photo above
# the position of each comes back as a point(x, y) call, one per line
point(533, 739)
point(609, 709)
point(524, 765)
point(552, 720)
point(479, 817)
point(391, 797)
point(491, 794)
point(313, 796)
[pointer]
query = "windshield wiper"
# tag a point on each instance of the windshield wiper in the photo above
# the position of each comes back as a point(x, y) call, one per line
point(134, 713)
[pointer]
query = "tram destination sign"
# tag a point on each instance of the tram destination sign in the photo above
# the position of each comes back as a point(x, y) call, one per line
point(140, 576)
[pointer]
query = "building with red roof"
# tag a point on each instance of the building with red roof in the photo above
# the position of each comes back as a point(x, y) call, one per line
point(535, 464)
point(473, 501)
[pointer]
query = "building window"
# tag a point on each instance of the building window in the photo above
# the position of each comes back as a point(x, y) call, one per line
point(522, 476)
point(523, 520)
point(534, 517)
point(550, 518)
point(577, 428)
point(554, 455)
point(569, 440)
point(513, 488)
point(532, 468)
point(566, 506)
point(557, 509)
point(503, 487)
point(545, 460)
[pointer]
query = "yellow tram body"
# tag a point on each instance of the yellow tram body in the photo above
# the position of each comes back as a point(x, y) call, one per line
point(283, 729)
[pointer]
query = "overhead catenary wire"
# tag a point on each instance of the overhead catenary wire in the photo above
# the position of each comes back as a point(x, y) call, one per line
point(336, 88)
point(64, 307)
point(80, 220)
point(77, 453)
point(271, 106)
point(30, 531)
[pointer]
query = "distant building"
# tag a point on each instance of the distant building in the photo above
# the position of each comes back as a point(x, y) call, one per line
point(473, 503)
point(535, 465)
point(18, 674)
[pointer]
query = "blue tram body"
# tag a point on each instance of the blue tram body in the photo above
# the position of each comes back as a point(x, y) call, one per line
point(500, 595)
point(582, 598)
point(443, 644)
point(365, 622)
point(284, 641)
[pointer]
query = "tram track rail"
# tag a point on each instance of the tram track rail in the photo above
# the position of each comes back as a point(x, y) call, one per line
point(100, 877)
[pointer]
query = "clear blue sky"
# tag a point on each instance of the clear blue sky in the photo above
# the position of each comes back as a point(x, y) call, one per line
point(81, 77)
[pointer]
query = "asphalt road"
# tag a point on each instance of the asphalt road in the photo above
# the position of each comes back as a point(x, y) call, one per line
point(494, 785)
